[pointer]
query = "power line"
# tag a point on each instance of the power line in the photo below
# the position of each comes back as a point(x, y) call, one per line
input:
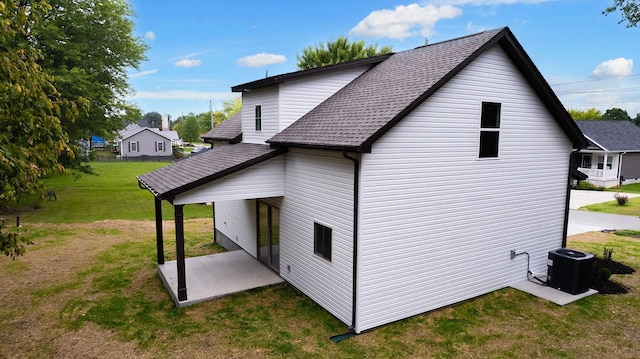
point(627, 89)
point(594, 80)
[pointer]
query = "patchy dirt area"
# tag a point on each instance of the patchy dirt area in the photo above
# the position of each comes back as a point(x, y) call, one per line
point(32, 306)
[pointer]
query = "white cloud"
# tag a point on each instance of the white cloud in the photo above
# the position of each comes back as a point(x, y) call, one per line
point(150, 35)
point(188, 63)
point(183, 95)
point(262, 59)
point(143, 73)
point(616, 67)
point(403, 21)
point(487, 2)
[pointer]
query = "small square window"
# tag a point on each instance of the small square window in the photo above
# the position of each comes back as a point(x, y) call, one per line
point(258, 118)
point(586, 161)
point(322, 241)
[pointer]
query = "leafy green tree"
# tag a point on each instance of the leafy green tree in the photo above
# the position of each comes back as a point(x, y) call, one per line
point(188, 128)
point(338, 51)
point(32, 137)
point(231, 107)
point(154, 119)
point(617, 114)
point(637, 119)
point(630, 10)
point(588, 114)
point(88, 47)
point(205, 118)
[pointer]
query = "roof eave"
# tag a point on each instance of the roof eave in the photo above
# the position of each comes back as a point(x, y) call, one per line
point(273, 80)
point(327, 147)
point(226, 172)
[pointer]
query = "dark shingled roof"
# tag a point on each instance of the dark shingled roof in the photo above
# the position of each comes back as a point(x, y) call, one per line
point(361, 112)
point(612, 135)
point(229, 130)
point(195, 171)
point(278, 79)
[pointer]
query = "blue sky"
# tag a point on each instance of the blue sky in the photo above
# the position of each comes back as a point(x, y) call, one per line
point(199, 49)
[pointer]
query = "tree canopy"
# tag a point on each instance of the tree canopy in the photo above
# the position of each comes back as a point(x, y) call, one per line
point(338, 51)
point(32, 137)
point(154, 119)
point(63, 77)
point(88, 47)
point(617, 114)
point(588, 114)
point(630, 10)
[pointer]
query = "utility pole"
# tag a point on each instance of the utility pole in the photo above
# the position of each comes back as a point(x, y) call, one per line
point(211, 114)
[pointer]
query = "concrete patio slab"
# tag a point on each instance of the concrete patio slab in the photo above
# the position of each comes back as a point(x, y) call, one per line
point(551, 294)
point(217, 275)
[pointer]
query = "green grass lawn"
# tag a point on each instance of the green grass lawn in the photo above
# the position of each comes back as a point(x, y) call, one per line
point(88, 287)
point(632, 208)
point(111, 193)
point(629, 188)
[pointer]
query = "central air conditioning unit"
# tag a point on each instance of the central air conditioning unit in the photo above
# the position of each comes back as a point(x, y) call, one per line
point(569, 271)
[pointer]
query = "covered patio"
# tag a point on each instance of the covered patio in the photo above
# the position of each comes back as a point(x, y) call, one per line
point(217, 275)
point(229, 172)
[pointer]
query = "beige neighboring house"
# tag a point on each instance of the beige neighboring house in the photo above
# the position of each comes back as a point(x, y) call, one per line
point(136, 141)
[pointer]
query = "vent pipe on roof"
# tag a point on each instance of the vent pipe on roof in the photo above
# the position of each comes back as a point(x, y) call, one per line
point(426, 41)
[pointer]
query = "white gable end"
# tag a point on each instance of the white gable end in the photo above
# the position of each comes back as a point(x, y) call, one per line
point(436, 221)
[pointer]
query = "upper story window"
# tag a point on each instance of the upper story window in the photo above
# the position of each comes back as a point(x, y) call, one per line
point(489, 129)
point(258, 118)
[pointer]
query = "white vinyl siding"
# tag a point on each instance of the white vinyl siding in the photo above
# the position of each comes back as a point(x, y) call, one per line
point(319, 190)
point(267, 99)
point(265, 179)
point(300, 96)
point(236, 219)
point(437, 223)
point(283, 104)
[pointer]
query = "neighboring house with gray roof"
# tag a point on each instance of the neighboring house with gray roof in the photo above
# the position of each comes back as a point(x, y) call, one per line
point(228, 132)
point(390, 186)
point(613, 154)
point(136, 141)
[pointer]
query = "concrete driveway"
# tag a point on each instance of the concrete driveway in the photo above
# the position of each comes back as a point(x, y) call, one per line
point(581, 198)
point(584, 221)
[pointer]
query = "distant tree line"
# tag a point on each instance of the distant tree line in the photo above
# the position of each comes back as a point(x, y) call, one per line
point(615, 113)
point(191, 126)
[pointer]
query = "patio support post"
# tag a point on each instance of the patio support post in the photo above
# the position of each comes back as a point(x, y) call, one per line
point(159, 238)
point(182, 281)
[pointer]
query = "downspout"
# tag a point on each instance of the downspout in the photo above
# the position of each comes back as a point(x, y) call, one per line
point(356, 195)
point(566, 206)
point(620, 179)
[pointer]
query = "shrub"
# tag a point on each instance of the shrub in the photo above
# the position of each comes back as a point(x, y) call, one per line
point(605, 273)
point(607, 253)
point(584, 185)
point(621, 198)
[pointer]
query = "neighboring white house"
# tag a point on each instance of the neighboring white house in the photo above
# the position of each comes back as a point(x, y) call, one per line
point(136, 141)
point(393, 185)
point(613, 155)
